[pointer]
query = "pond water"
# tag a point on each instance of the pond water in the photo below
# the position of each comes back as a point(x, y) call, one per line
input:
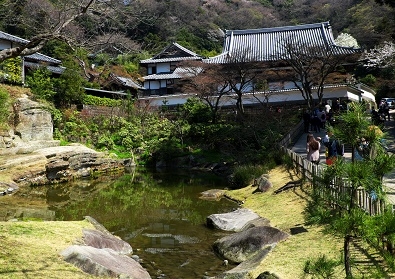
point(159, 213)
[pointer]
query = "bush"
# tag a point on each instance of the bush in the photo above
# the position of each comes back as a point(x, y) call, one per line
point(369, 80)
point(10, 71)
point(322, 267)
point(244, 175)
point(100, 101)
point(41, 84)
point(4, 108)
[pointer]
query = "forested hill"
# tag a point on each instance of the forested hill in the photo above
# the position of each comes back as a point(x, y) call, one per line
point(149, 25)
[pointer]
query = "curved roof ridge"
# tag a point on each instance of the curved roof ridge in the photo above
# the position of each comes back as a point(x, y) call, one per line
point(186, 50)
point(279, 29)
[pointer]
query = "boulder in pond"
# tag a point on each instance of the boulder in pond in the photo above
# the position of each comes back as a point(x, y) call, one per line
point(241, 246)
point(236, 221)
point(104, 262)
point(212, 194)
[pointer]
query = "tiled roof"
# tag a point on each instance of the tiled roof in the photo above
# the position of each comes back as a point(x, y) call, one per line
point(42, 58)
point(163, 56)
point(128, 82)
point(53, 69)
point(268, 44)
point(178, 73)
point(173, 59)
point(35, 56)
point(12, 38)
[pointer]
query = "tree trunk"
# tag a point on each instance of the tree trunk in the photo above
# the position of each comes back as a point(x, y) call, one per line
point(347, 261)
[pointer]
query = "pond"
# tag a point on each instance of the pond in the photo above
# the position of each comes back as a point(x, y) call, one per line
point(159, 213)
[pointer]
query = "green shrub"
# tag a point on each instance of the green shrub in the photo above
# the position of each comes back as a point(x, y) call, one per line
point(369, 80)
point(4, 108)
point(100, 101)
point(322, 267)
point(41, 84)
point(11, 71)
point(244, 175)
point(195, 111)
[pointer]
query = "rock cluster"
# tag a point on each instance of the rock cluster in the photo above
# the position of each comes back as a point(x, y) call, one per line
point(29, 153)
point(103, 254)
point(252, 241)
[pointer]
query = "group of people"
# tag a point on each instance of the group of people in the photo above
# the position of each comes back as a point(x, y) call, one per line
point(333, 148)
point(316, 119)
point(382, 114)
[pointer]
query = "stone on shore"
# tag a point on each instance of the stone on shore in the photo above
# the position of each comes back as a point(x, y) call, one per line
point(242, 246)
point(235, 221)
point(104, 262)
point(102, 240)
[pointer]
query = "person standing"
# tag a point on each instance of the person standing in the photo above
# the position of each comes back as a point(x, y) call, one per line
point(322, 116)
point(313, 149)
point(315, 123)
point(336, 106)
point(334, 148)
point(327, 108)
point(306, 121)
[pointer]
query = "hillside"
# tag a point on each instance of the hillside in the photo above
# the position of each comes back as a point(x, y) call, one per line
point(114, 36)
point(148, 26)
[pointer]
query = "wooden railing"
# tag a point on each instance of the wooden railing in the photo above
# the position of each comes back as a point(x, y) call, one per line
point(337, 187)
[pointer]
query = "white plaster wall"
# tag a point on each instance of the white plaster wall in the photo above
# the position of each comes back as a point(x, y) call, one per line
point(163, 68)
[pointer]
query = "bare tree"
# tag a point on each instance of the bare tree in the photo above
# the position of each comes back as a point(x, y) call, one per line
point(207, 84)
point(49, 20)
point(242, 72)
point(311, 66)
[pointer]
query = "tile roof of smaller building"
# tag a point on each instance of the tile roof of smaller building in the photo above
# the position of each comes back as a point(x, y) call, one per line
point(180, 72)
point(269, 44)
point(53, 69)
point(35, 56)
point(12, 38)
point(128, 82)
point(173, 53)
point(42, 58)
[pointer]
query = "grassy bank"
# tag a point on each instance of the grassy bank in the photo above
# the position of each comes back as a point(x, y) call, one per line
point(285, 211)
point(31, 249)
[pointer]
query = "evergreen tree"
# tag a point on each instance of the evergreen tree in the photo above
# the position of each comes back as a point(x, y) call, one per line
point(341, 211)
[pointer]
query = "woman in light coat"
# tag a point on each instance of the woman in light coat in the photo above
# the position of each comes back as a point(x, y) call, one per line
point(313, 149)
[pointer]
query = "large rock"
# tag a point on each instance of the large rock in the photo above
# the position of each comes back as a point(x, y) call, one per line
point(262, 183)
point(244, 270)
point(242, 246)
point(104, 262)
point(212, 194)
point(34, 122)
point(58, 164)
point(102, 240)
point(32, 130)
point(235, 221)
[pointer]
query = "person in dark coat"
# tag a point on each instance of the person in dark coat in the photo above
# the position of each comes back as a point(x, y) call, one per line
point(315, 123)
point(306, 121)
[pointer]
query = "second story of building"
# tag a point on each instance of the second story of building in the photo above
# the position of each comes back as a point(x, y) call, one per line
point(163, 71)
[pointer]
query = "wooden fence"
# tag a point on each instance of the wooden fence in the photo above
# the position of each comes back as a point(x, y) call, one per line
point(337, 187)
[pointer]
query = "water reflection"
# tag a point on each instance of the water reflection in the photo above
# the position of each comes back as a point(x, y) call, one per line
point(158, 213)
